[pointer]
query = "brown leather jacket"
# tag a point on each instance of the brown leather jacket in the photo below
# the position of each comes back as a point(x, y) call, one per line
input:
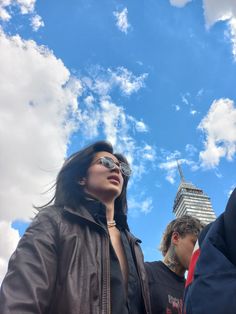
point(62, 266)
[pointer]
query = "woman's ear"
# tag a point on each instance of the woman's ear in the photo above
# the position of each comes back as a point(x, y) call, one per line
point(82, 181)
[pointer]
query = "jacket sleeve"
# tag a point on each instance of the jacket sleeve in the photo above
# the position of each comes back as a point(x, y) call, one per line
point(29, 283)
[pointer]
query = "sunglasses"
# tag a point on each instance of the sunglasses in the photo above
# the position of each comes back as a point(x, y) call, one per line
point(109, 163)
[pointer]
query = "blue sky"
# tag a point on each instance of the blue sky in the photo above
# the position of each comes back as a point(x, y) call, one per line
point(156, 78)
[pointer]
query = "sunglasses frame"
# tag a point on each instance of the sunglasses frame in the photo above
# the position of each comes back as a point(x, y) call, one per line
point(109, 163)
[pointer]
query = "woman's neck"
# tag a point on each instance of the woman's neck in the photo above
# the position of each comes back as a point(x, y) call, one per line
point(110, 210)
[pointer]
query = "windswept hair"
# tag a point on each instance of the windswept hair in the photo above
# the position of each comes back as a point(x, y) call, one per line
point(183, 225)
point(67, 190)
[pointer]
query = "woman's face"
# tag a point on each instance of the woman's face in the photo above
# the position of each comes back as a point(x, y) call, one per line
point(103, 183)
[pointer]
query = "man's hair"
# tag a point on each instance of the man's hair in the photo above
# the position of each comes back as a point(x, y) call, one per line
point(68, 192)
point(183, 225)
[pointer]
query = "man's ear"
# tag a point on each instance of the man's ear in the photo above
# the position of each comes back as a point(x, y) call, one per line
point(82, 181)
point(175, 237)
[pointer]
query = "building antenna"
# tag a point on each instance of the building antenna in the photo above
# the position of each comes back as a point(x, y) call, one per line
point(180, 171)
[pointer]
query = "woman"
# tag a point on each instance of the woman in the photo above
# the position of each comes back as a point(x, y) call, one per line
point(78, 256)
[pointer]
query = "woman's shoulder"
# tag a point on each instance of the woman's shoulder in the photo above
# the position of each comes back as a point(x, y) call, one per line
point(48, 215)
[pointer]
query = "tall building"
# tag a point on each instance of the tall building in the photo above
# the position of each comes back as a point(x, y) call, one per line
point(191, 200)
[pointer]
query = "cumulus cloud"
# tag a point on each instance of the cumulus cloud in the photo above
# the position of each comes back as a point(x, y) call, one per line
point(37, 22)
point(9, 238)
point(217, 10)
point(122, 20)
point(37, 95)
point(142, 206)
point(179, 3)
point(219, 127)
point(4, 14)
point(25, 6)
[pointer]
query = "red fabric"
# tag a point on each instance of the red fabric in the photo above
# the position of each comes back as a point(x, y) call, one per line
point(192, 265)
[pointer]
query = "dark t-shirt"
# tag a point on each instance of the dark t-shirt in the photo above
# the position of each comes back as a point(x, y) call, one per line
point(120, 304)
point(166, 289)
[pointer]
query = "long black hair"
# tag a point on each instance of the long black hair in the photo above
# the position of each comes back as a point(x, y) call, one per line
point(67, 190)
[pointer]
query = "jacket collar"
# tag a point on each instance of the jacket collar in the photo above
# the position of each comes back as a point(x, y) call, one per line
point(94, 211)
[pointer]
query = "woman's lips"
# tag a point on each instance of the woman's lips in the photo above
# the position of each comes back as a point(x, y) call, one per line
point(114, 178)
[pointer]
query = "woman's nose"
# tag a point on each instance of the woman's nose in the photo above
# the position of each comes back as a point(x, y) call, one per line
point(116, 168)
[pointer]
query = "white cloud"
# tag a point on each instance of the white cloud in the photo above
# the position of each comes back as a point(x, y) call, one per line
point(36, 22)
point(122, 20)
point(149, 153)
point(25, 6)
point(102, 81)
point(136, 206)
point(232, 31)
point(190, 149)
point(9, 238)
point(114, 120)
point(37, 95)
point(185, 98)
point(218, 10)
point(177, 107)
point(219, 126)
point(141, 126)
point(179, 3)
point(193, 112)
point(127, 81)
point(4, 14)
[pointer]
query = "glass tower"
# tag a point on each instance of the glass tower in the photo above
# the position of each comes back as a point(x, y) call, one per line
point(192, 201)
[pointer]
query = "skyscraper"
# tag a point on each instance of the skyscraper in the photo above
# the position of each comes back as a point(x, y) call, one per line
point(192, 201)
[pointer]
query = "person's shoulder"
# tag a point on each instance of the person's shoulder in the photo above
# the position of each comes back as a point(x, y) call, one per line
point(153, 264)
point(153, 267)
point(50, 214)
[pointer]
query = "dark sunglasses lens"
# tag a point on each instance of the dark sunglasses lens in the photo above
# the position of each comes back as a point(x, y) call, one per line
point(125, 169)
point(108, 162)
